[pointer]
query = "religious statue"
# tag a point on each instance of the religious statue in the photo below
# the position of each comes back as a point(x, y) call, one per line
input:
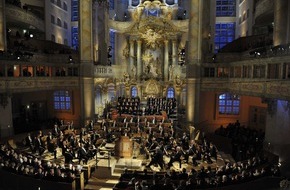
point(133, 69)
point(171, 72)
point(178, 81)
point(126, 51)
point(126, 77)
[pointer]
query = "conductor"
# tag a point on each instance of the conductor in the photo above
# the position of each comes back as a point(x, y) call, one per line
point(157, 158)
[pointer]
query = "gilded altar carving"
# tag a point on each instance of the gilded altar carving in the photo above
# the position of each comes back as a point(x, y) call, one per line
point(152, 88)
point(152, 38)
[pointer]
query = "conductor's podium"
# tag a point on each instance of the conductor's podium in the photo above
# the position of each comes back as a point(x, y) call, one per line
point(124, 147)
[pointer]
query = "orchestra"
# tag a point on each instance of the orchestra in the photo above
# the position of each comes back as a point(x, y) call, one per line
point(157, 138)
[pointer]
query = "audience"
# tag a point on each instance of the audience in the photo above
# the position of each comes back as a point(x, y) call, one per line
point(246, 142)
point(28, 165)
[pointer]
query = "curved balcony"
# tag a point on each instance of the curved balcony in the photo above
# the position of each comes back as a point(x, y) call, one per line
point(264, 77)
point(29, 84)
point(22, 17)
point(264, 12)
point(23, 76)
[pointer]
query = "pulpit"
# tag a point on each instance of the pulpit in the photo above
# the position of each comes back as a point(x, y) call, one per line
point(124, 147)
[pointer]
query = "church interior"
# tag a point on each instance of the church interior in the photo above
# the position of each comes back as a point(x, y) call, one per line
point(144, 94)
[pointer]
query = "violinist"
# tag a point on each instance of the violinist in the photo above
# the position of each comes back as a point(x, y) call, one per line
point(176, 157)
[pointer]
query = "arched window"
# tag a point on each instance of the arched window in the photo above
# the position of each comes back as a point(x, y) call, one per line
point(229, 104)
point(170, 2)
point(64, 6)
point(134, 92)
point(111, 92)
point(65, 25)
point(135, 3)
point(62, 100)
point(111, 49)
point(58, 22)
point(52, 19)
point(170, 92)
point(111, 4)
point(58, 3)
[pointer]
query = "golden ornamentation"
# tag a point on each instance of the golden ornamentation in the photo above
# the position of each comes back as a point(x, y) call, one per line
point(152, 38)
point(152, 88)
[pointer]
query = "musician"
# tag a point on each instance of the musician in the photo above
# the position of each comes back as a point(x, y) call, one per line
point(192, 151)
point(90, 125)
point(103, 124)
point(55, 131)
point(176, 157)
point(138, 119)
point(83, 154)
point(83, 133)
point(114, 124)
point(157, 158)
point(185, 141)
point(94, 136)
point(29, 142)
point(153, 120)
point(39, 145)
point(68, 155)
point(92, 150)
point(213, 151)
point(109, 136)
point(51, 146)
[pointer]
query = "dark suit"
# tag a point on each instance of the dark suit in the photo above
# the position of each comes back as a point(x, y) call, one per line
point(29, 142)
point(157, 159)
point(176, 157)
point(55, 132)
point(39, 146)
point(83, 155)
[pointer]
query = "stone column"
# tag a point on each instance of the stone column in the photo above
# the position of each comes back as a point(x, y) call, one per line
point(266, 71)
point(252, 72)
point(86, 61)
point(174, 52)
point(101, 33)
point(139, 60)
point(193, 55)
point(281, 70)
point(131, 56)
point(166, 61)
point(2, 27)
point(280, 35)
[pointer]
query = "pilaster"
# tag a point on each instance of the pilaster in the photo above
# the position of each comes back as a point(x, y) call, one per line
point(139, 61)
point(86, 59)
point(166, 61)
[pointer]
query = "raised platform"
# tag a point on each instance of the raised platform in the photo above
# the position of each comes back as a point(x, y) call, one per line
point(105, 168)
